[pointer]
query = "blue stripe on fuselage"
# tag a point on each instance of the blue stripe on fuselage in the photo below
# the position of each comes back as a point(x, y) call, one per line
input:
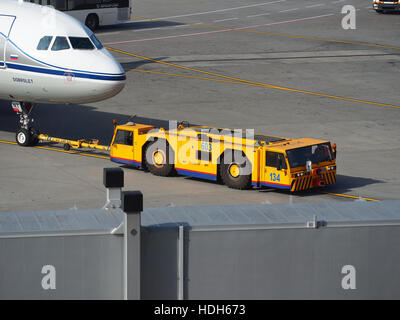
point(66, 73)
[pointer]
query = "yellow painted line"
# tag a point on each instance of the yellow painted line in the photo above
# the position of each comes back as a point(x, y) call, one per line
point(7, 142)
point(350, 196)
point(253, 83)
point(240, 29)
point(59, 150)
point(194, 77)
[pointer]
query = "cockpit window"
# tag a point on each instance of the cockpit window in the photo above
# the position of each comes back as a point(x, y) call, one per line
point(81, 43)
point(44, 43)
point(61, 43)
point(96, 41)
point(92, 37)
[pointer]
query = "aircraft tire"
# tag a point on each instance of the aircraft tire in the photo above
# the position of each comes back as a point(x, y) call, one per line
point(24, 137)
point(34, 137)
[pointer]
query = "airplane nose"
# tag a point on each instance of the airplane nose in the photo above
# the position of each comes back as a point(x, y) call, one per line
point(112, 66)
point(119, 79)
point(114, 87)
point(104, 79)
point(115, 77)
point(103, 89)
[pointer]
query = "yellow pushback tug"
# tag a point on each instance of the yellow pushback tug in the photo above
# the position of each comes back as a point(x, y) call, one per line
point(238, 158)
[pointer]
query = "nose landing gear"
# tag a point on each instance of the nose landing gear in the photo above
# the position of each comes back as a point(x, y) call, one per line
point(27, 135)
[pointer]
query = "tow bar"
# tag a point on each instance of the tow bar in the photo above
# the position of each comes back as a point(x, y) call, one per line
point(75, 144)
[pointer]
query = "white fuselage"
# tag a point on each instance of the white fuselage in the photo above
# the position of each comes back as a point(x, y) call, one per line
point(74, 68)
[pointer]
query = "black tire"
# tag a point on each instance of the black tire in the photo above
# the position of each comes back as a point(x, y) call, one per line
point(379, 11)
point(23, 137)
point(92, 21)
point(235, 162)
point(34, 137)
point(157, 157)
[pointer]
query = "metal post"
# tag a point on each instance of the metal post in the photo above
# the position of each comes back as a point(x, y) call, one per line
point(132, 205)
point(113, 199)
point(113, 180)
point(181, 261)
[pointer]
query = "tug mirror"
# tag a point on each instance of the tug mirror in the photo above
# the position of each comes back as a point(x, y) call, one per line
point(334, 151)
point(308, 166)
point(280, 163)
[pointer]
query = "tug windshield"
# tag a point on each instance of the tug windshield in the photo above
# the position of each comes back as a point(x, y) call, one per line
point(316, 153)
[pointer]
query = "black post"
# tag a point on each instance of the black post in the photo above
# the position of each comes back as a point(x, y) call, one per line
point(132, 205)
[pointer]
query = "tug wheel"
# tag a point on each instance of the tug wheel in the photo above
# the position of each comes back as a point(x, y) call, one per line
point(157, 158)
point(234, 171)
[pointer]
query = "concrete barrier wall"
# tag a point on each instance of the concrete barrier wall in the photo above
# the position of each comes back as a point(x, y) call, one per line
point(187, 253)
point(296, 263)
point(159, 270)
point(85, 267)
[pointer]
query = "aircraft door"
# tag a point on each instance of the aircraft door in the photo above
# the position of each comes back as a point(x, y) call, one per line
point(6, 23)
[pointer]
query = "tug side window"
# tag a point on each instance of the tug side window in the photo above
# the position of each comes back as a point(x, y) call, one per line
point(124, 137)
point(274, 158)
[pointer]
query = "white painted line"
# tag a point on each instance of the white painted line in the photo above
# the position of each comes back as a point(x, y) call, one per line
point(338, 1)
point(180, 26)
point(259, 15)
point(148, 29)
point(226, 19)
point(287, 10)
point(215, 11)
point(219, 31)
point(316, 5)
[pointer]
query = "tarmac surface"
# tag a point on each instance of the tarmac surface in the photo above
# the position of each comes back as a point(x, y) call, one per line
point(284, 68)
